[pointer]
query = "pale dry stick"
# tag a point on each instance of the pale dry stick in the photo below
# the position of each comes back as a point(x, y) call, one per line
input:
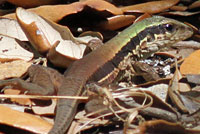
point(130, 118)
point(132, 94)
point(111, 97)
point(43, 97)
point(134, 113)
point(131, 110)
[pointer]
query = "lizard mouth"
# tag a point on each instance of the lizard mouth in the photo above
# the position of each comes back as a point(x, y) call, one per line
point(164, 40)
point(183, 33)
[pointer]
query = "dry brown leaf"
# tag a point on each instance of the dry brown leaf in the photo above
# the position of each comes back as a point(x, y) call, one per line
point(63, 53)
point(116, 22)
point(102, 6)
point(40, 34)
point(11, 49)
point(92, 34)
point(162, 127)
point(79, 124)
point(144, 16)
point(184, 87)
point(179, 8)
point(150, 7)
point(191, 101)
point(184, 53)
point(180, 13)
point(157, 99)
point(195, 4)
point(159, 90)
point(32, 3)
point(170, 54)
point(10, 27)
point(57, 12)
point(151, 83)
point(187, 44)
point(23, 120)
point(191, 64)
point(193, 78)
point(45, 110)
point(21, 101)
point(173, 91)
point(43, 34)
point(13, 69)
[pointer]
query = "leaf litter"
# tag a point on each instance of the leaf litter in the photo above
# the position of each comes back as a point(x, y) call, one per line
point(137, 106)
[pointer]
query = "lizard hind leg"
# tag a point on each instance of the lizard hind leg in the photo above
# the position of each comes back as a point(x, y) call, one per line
point(31, 88)
point(43, 81)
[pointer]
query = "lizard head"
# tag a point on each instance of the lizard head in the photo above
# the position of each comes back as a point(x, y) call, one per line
point(161, 33)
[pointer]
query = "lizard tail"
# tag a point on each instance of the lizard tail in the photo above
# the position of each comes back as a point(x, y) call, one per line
point(64, 115)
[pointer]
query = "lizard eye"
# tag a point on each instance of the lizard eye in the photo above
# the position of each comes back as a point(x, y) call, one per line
point(169, 27)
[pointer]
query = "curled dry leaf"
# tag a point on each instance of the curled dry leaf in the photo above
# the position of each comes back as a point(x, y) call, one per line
point(92, 34)
point(57, 58)
point(13, 69)
point(40, 34)
point(45, 110)
point(191, 64)
point(57, 12)
point(44, 34)
point(11, 28)
point(63, 53)
point(11, 49)
point(23, 120)
point(150, 7)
